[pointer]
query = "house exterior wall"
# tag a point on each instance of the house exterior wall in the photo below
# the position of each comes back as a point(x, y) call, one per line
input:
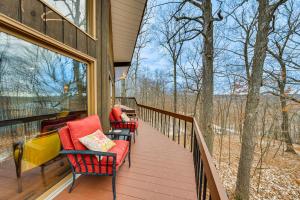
point(36, 22)
point(105, 64)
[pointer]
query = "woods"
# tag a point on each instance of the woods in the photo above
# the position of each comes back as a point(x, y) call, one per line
point(234, 65)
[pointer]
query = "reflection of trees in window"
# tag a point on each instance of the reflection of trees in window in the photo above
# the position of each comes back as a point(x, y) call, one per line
point(75, 10)
point(54, 77)
point(38, 81)
point(3, 58)
point(4, 102)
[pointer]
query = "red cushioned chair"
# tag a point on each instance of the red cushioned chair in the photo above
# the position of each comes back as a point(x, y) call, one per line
point(84, 161)
point(116, 122)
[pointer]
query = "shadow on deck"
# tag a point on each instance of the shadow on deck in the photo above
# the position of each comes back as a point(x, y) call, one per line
point(160, 169)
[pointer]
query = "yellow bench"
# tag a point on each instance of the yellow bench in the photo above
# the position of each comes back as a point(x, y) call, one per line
point(36, 152)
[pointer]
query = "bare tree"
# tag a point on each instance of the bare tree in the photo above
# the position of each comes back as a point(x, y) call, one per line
point(191, 71)
point(284, 51)
point(172, 41)
point(266, 12)
point(194, 25)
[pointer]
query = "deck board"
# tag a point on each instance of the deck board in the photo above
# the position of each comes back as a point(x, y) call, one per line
point(160, 170)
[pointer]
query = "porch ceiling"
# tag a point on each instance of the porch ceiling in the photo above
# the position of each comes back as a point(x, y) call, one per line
point(126, 20)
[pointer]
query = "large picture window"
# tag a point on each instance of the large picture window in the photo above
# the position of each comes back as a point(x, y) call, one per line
point(74, 10)
point(40, 91)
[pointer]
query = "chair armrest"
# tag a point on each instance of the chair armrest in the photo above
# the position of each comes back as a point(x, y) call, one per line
point(120, 136)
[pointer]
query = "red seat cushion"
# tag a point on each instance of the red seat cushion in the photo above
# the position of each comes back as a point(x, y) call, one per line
point(117, 112)
point(83, 127)
point(121, 149)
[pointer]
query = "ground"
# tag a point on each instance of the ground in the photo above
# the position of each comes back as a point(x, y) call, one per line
point(279, 174)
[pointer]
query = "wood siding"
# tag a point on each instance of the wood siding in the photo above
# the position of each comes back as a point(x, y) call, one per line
point(37, 15)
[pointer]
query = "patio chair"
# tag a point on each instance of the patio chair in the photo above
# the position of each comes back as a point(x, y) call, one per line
point(95, 163)
point(116, 122)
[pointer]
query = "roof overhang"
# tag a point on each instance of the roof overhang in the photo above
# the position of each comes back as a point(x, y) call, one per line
point(126, 22)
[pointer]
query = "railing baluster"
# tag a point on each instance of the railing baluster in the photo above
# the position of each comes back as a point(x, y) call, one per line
point(151, 118)
point(161, 120)
point(179, 132)
point(169, 126)
point(155, 124)
point(192, 136)
point(165, 121)
point(201, 172)
point(174, 124)
point(204, 188)
point(184, 135)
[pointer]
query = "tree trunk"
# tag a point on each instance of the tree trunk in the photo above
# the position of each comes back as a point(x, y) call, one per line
point(195, 104)
point(175, 88)
point(78, 82)
point(208, 76)
point(248, 134)
point(285, 122)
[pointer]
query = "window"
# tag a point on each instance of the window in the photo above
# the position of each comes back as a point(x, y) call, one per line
point(40, 91)
point(74, 10)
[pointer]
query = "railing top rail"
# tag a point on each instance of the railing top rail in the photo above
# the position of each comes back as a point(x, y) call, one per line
point(23, 120)
point(172, 114)
point(216, 187)
point(175, 115)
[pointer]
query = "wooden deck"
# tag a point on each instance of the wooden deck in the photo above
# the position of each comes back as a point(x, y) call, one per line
point(160, 170)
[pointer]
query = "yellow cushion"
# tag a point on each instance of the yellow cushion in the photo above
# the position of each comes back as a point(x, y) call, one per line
point(40, 150)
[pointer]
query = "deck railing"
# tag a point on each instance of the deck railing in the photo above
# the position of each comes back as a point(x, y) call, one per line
point(185, 131)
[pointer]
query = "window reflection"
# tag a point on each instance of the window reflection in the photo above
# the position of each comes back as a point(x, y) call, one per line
point(74, 10)
point(40, 91)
